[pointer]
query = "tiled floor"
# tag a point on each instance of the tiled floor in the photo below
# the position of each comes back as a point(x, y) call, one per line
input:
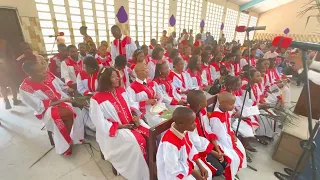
point(22, 142)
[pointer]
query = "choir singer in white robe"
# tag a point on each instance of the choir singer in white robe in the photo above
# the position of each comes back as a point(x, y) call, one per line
point(122, 45)
point(46, 95)
point(118, 131)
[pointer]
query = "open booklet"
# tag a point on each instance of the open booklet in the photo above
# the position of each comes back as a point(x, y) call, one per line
point(250, 111)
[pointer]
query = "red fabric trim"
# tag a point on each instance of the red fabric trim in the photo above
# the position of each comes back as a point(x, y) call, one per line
point(69, 82)
point(46, 103)
point(113, 129)
point(180, 176)
point(60, 124)
point(86, 92)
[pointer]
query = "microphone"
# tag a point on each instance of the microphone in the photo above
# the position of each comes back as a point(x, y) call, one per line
point(254, 28)
point(285, 42)
point(56, 35)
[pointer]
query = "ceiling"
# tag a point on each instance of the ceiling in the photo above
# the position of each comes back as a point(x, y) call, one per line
point(263, 5)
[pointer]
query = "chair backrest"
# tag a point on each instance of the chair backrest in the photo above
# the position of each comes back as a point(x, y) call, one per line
point(212, 101)
point(152, 145)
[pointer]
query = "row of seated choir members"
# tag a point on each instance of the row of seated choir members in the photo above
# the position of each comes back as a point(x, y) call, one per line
point(124, 92)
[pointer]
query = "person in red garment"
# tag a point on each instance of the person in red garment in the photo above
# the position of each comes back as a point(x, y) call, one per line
point(55, 61)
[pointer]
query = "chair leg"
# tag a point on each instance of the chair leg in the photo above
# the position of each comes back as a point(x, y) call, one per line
point(50, 138)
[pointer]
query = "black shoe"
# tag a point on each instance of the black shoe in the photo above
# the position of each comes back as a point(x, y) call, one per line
point(17, 102)
point(7, 103)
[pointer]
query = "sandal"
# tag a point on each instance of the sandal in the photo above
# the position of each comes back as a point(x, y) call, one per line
point(262, 141)
point(288, 171)
point(251, 149)
point(249, 160)
point(68, 152)
point(281, 176)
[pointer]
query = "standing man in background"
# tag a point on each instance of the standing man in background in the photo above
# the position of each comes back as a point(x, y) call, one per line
point(121, 45)
point(191, 38)
point(222, 40)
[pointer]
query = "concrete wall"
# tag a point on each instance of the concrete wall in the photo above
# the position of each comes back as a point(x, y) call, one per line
point(286, 16)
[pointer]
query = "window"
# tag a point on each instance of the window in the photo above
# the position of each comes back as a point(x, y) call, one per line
point(147, 19)
point(253, 22)
point(69, 15)
point(230, 24)
point(188, 15)
point(214, 19)
point(243, 21)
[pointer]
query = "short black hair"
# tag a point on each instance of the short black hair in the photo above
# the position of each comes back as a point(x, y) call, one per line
point(60, 46)
point(28, 66)
point(174, 53)
point(120, 61)
point(205, 55)
point(144, 46)
point(91, 62)
point(197, 51)
point(157, 70)
point(194, 97)
point(114, 27)
point(180, 113)
point(70, 47)
point(155, 52)
point(83, 27)
point(164, 31)
point(80, 44)
point(176, 60)
point(208, 48)
point(251, 70)
point(234, 49)
point(230, 80)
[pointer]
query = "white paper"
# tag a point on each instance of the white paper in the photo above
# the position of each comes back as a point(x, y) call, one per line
point(250, 111)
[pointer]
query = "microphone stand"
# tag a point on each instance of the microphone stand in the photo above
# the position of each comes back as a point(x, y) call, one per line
point(248, 91)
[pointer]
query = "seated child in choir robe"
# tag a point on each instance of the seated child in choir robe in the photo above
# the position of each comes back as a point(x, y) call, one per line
point(137, 57)
point(177, 157)
point(157, 55)
point(194, 72)
point(87, 79)
point(174, 53)
point(120, 64)
point(180, 79)
point(207, 151)
point(215, 68)
point(152, 46)
point(264, 126)
point(47, 96)
point(219, 128)
point(186, 54)
point(146, 93)
point(104, 57)
point(71, 67)
point(82, 51)
point(245, 58)
point(247, 124)
point(147, 56)
point(165, 85)
point(206, 77)
point(119, 132)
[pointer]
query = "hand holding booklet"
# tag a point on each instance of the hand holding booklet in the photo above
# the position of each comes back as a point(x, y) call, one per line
point(250, 111)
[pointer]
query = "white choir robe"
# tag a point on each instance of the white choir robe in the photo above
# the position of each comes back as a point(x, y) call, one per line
point(168, 93)
point(124, 77)
point(150, 49)
point(175, 157)
point(119, 146)
point(70, 69)
point(181, 82)
point(87, 83)
point(123, 46)
point(244, 61)
point(206, 78)
point(141, 91)
point(104, 61)
point(152, 68)
point(263, 126)
point(195, 79)
point(215, 71)
point(219, 129)
point(37, 96)
point(285, 91)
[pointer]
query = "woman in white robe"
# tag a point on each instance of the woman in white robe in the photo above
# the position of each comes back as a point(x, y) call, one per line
point(46, 95)
point(166, 86)
point(194, 73)
point(180, 79)
point(119, 132)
